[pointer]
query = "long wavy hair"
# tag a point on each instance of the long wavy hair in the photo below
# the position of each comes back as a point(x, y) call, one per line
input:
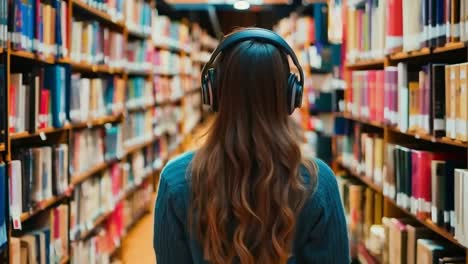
point(247, 189)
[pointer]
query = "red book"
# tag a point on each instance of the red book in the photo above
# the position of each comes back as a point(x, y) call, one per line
point(380, 95)
point(44, 109)
point(12, 110)
point(116, 179)
point(421, 193)
point(394, 38)
point(311, 30)
point(371, 80)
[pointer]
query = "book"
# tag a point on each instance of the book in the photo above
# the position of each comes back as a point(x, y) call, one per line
point(462, 107)
point(91, 44)
point(86, 150)
point(3, 206)
point(461, 214)
point(93, 98)
point(138, 17)
point(414, 234)
point(438, 87)
point(429, 251)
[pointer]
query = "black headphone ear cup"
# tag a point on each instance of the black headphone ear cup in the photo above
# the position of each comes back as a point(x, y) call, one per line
point(212, 89)
point(294, 93)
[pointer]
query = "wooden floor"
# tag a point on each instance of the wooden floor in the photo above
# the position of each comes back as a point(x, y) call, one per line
point(137, 247)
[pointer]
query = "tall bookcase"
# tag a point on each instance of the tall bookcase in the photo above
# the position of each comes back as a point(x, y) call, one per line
point(451, 53)
point(370, 33)
point(172, 117)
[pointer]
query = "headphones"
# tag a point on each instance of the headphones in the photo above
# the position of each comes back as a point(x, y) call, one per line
point(208, 80)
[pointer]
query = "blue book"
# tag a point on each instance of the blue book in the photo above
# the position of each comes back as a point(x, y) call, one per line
point(58, 29)
point(57, 81)
point(3, 206)
point(320, 18)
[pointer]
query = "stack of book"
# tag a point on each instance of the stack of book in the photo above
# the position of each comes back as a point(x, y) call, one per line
point(168, 33)
point(170, 89)
point(166, 62)
point(113, 142)
point(38, 98)
point(95, 98)
point(429, 101)
point(87, 150)
point(94, 44)
point(167, 119)
point(138, 128)
point(363, 153)
point(115, 9)
point(138, 17)
point(40, 27)
point(376, 28)
point(139, 93)
point(37, 174)
point(46, 244)
point(92, 199)
point(423, 182)
point(138, 56)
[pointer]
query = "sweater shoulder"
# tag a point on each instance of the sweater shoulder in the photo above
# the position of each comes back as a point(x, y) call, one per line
point(174, 174)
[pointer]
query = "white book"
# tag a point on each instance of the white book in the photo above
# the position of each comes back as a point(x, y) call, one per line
point(464, 174)
point(412, 27)
point(16, 194)
point(85, 98)
point(403, 97)
point(47, 172)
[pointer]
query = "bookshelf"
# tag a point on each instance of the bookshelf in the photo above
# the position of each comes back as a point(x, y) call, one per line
point(372, 145)
point(137, 159)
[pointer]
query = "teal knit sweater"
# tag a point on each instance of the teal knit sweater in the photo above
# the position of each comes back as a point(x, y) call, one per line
point(321, 235)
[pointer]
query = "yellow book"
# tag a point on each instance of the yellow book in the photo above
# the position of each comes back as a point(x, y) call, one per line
point(413, 106)
point(378, 160)
point(462, 105)
point(454, 83)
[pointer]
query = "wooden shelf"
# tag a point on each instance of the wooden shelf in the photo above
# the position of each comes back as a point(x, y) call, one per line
point(410, 54)
point(46, 204)
point(96, 13)
point(168, 102)
point(138, 35)
point(425, 137)
point(77, 178)
point(139, 73)
point(428, 223)
point(360, 120)
point(362, 179)
point(38, 133)
point(450, 47)
point(365, 64)
point(140, 107)
point(97, 223)
point(31, 56)
point(98, 122)
point(139, 146)
point(86, 67)
point(175, 48)
point(431, 138)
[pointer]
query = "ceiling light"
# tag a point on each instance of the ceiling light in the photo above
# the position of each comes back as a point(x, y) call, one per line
point(241, 5)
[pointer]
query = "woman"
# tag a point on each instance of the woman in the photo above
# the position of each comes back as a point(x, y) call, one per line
point(248, 195)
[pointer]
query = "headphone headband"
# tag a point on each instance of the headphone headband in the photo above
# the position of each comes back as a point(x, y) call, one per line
point(255, 34)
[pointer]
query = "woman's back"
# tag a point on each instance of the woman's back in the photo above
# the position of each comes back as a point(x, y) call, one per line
point(248, 195)
point(321, 235)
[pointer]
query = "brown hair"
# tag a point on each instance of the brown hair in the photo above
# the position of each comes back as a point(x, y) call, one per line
point(247, 190)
